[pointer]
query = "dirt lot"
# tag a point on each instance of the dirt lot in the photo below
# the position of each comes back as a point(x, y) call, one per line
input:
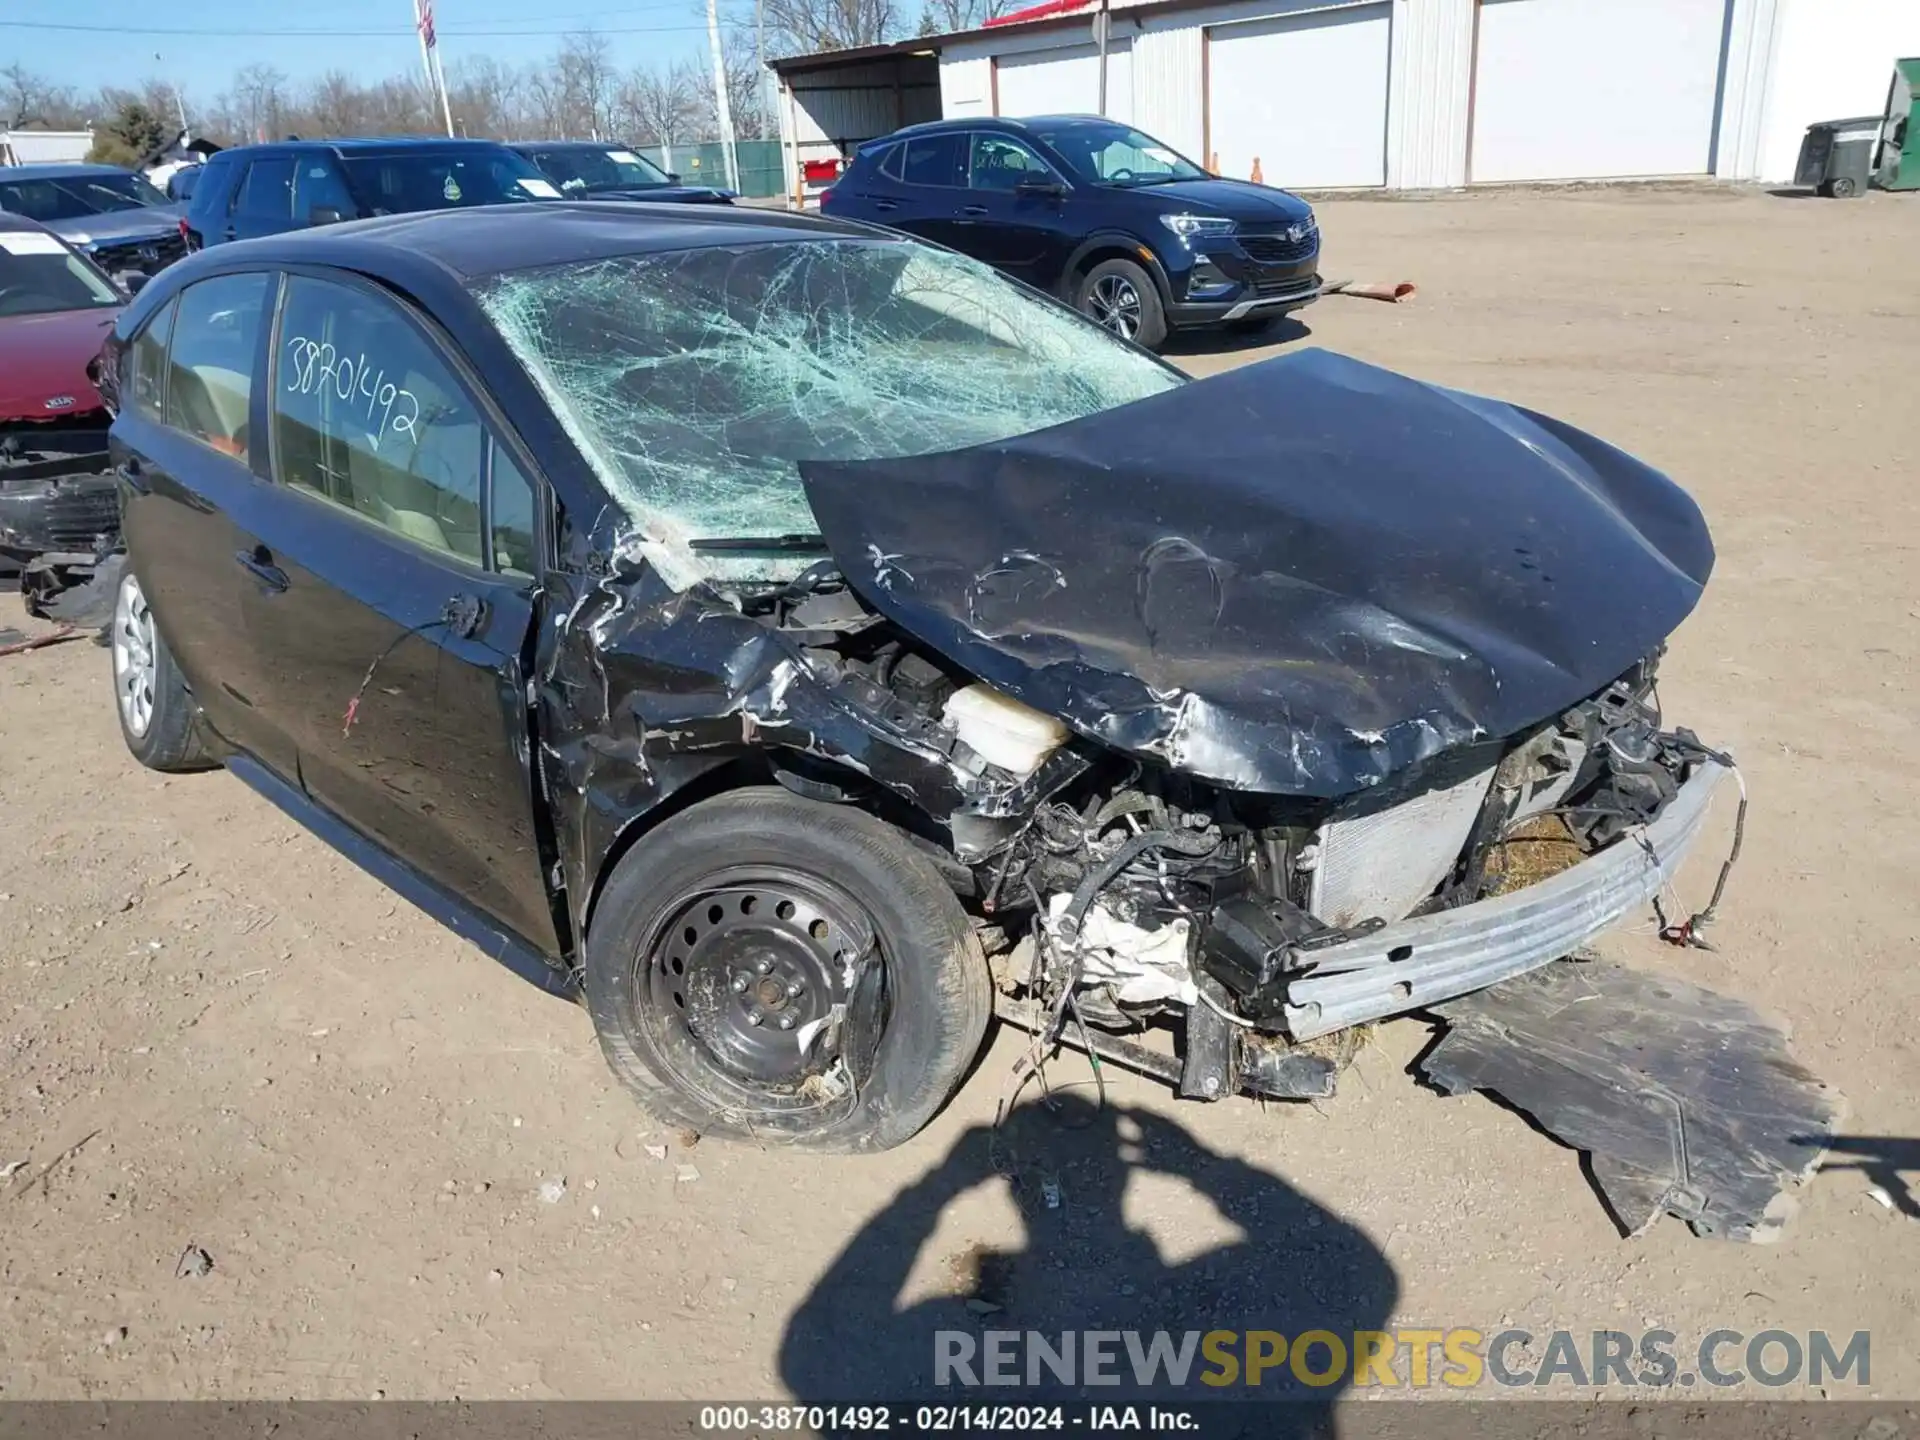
point(239, 1042)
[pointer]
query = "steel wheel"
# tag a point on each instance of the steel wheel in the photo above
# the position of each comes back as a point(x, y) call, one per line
point(773, 978)
point(135, 669)
point(1113, 302)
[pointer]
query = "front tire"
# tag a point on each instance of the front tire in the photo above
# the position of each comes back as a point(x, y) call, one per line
point(1118, 295)
point(158, 719)
point(779, 969)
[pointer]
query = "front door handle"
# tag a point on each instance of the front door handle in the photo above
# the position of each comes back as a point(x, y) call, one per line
point(973, 209)
point(258, 562)
point(132, 476)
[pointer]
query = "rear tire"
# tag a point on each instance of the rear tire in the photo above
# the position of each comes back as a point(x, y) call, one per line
point(1118, 295)
point(774, 968)
point(158, 718)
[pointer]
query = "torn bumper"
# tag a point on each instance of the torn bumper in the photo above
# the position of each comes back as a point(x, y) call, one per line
point(1430, 958)
point(42, 513)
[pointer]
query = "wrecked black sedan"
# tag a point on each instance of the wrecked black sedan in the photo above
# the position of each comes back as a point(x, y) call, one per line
point(807, 645)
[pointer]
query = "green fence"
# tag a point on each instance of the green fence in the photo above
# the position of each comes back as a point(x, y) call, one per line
point(705, 163)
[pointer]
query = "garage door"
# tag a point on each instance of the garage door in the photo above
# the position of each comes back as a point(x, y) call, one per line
point(1065, 81)
point(1592, 89)
point(1305, 94)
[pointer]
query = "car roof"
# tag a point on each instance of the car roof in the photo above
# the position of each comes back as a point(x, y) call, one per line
point(366, 145)
point(990, 122)
point(490, 239)
point(52, 171)
point(602, 145)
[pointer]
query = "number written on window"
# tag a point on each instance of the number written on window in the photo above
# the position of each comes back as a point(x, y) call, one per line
point(315, 367)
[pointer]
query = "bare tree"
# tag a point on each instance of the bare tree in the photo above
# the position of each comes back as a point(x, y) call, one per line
point(941, 17)
point(665, 106)
point(800, 26)
point(745, 93)
point(257, 103)
point(487, 98)
point(30, 99)
point(573, 92)
point(587, 85)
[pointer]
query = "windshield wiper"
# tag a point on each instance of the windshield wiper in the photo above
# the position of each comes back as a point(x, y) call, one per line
point(761, 544)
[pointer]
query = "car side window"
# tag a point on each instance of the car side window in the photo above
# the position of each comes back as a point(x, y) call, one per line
point(367, 416)
point(890, 162)
point(515, 532)
point(216, 334)
point(936, 160)
point(319, 185)
point(146, 382)
point(1001, 163)
point(267, 192)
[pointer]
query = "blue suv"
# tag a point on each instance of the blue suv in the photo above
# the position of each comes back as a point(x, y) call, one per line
point(254, 190)
point(1108, 219)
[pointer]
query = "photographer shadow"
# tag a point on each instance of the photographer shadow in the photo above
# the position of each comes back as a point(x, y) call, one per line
point(1066, 1162)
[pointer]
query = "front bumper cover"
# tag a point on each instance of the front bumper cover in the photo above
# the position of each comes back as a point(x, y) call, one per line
point(1430, 958)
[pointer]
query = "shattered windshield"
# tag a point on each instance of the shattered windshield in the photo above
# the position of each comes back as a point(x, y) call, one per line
point(694, 381)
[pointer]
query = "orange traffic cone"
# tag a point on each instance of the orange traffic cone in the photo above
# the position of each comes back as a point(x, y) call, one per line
point(1256, 171)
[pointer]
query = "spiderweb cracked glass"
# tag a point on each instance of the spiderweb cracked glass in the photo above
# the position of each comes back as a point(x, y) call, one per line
point(693, 381)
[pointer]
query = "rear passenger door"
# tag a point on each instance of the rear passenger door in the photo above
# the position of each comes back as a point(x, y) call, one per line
point(264, 204)
point(926, 198)
point(403, 536)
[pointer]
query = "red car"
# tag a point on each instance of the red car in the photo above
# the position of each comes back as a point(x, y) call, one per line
point(59, 511)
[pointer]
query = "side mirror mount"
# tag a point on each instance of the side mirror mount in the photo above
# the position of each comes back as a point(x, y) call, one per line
point(131, 281)
point(1047, 189)
point(673, 177)
point(324, 215)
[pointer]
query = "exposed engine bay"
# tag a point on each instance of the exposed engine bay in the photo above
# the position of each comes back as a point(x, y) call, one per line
point(1116, 895)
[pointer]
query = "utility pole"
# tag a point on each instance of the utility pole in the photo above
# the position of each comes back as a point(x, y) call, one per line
point(720, 105)
point(1102, 22)
point(768, 100)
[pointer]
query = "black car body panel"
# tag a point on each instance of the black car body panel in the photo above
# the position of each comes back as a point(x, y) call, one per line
point(1301, 576)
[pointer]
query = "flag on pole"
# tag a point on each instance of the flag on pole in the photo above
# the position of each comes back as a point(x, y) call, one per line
point(423, 19)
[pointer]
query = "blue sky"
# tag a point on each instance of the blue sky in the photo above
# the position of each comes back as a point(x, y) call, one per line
point(369, 39)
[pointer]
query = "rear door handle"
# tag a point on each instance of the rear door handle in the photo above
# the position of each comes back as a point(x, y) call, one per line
point(973, 209)
point(886, 204)
point(258, 562)
point(132, 476)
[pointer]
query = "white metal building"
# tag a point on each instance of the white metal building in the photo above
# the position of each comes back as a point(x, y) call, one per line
point(1330, 94)
point(44, 147)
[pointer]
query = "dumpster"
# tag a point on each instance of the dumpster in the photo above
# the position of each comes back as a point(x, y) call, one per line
point(1900, 150)
point(1837, 156)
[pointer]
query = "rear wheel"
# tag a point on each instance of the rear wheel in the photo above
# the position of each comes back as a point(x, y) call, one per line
point(1120, 296)
point(157, 716)
point(776, 968)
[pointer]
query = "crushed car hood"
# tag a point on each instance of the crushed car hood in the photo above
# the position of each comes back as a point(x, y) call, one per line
point(1300, 577)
